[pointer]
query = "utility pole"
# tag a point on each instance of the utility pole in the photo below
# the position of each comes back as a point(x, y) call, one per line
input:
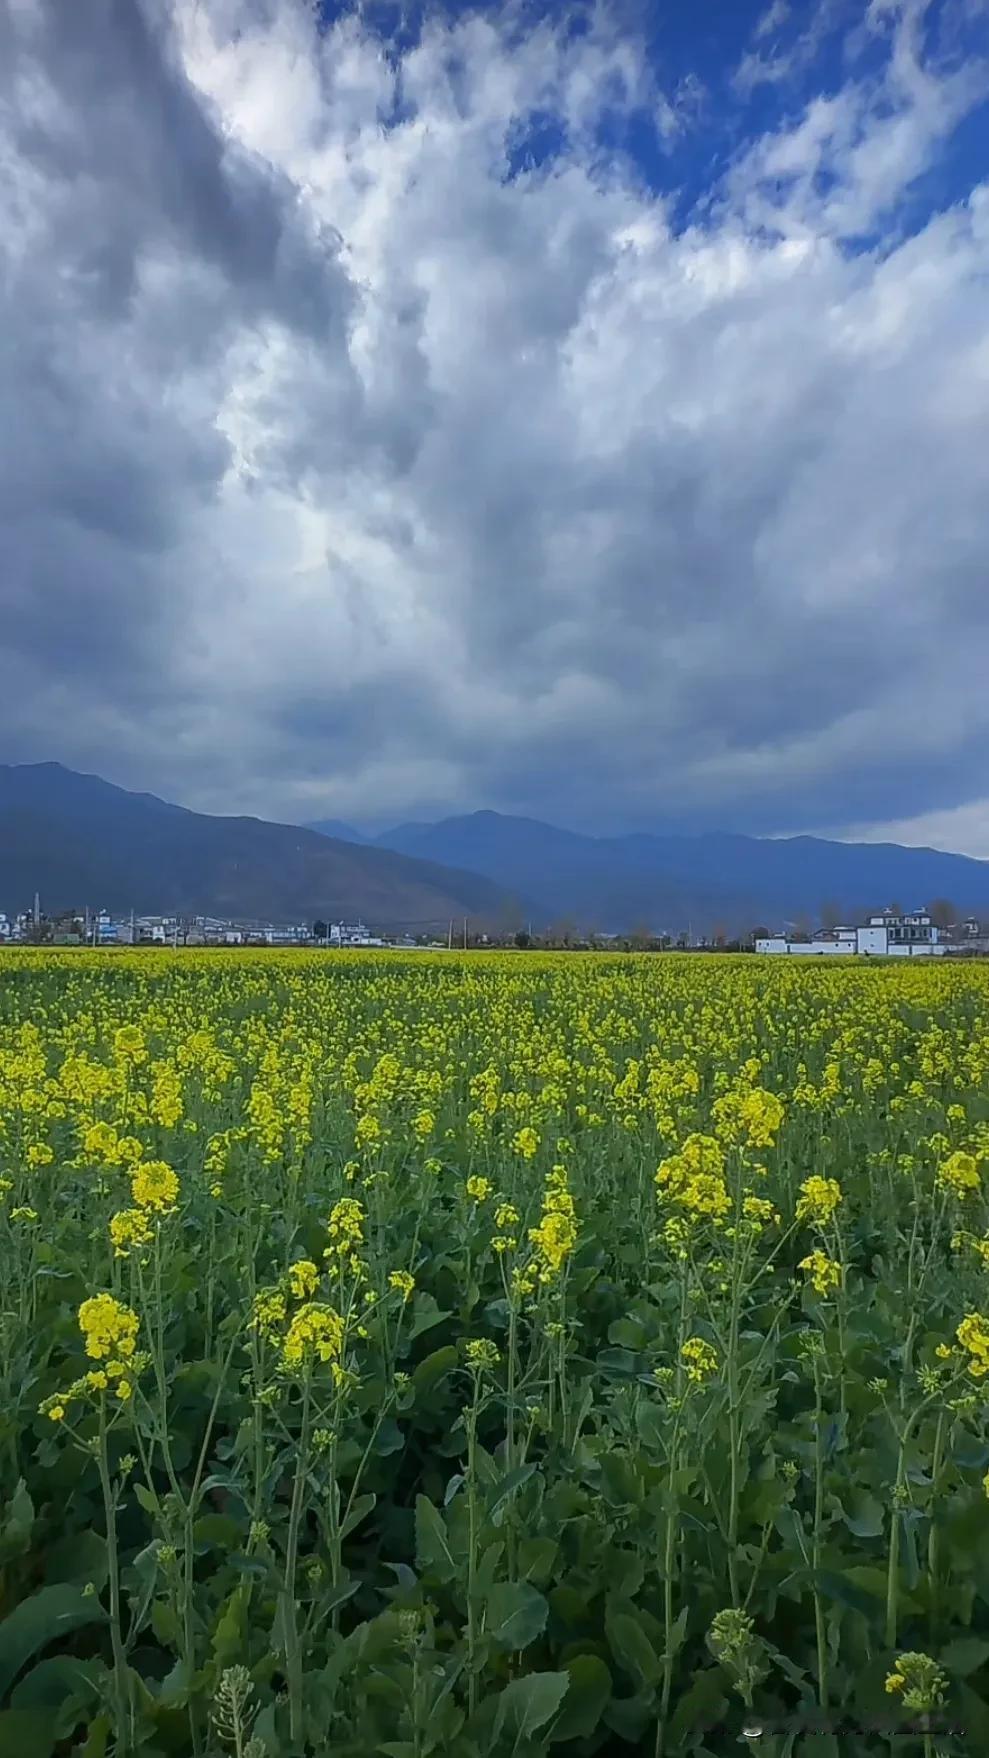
point(449, 936)
point(37, 909)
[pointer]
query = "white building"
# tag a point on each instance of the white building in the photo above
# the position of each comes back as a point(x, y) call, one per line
point(352, 934)
point(888, 934)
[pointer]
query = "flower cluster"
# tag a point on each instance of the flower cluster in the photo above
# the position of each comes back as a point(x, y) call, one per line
point(303, 1277)
point(973, 1335)
point(699, 1358)
point(345, 1229)
point(316, 1331)
point(108, 1327)
point(959, 1175)
point(154, 1186)
point(920, 1682)
point(819, 1198)
point(823, 1271)
point(556, 1235)
point(109, 1330)
point(694, 1179)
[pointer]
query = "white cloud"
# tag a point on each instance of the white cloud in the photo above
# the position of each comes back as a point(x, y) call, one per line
point(961, 829)
point(372, 465)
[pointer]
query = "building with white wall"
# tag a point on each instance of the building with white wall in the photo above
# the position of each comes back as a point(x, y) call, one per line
point(887, 934)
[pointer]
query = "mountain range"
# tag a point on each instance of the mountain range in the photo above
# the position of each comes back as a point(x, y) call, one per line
point(671, 883)
point(79, 840)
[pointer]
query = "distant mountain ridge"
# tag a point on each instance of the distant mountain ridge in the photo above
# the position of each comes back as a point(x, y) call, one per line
point(673, 882)
point(79, 840)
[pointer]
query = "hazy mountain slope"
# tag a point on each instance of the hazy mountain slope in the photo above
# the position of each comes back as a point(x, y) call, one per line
point(336, 828)
point(78, 840)
point(669, 882)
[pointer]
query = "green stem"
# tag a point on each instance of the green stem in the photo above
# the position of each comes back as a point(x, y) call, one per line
point(822, 1656)
point(120, 1679)
point(932, 1535)
point(893, 1563)
point(293, 1653)
point(471, 1418)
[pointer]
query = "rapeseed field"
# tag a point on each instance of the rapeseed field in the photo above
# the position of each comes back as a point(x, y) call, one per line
point(492, 1355)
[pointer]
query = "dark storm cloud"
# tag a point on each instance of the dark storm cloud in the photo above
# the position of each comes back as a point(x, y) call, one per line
point(353, 472)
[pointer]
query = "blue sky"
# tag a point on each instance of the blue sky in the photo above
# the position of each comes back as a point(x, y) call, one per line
point(579, 412)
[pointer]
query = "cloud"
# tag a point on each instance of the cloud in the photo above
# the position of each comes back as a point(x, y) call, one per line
point(959, 827)
point(385, 447)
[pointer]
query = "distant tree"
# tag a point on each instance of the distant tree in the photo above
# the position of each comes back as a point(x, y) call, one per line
point(563, 932)
point(942, 912)
point(802, 929)
point(523, 940)
point(830, 914)
point(320, 931)
point(510, 920)
point(720, 936)
point(759, 933)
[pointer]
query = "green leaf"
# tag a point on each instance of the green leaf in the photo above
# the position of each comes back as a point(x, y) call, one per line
point(526, 1704)
point(515, 1614)
point(678, 1631)
point(587, 1697)
point(80, 1557)
point(536, 1558)
point(64, 1689)
point(425, 1314)
point(361, 1509)
point(620, 1363)
point(433, 1551)
point(434, 1368)
point(702, 1706)
point(26, 1731)
point(15, 1534)
point(217, 1532)
point(97, 1737)
point(846, 1591)
point(965, 1655)
point(504, 1490)
point(165, 1623)
point(456, 1482)
point(49, 1683)
point(631, 1647)
point(43, 1618)
point(865, 1516)
point(228, 1632)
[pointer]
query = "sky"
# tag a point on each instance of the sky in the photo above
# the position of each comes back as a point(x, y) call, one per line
point(580, 411)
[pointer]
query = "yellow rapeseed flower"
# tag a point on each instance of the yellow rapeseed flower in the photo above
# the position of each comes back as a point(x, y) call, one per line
point(824, 1273)
point(129, 1228)
point(959, 1175)
point(819, 1199)
point(973, 1335)
point(108, 1326)
point(303, 1277)
point(155, 1186)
